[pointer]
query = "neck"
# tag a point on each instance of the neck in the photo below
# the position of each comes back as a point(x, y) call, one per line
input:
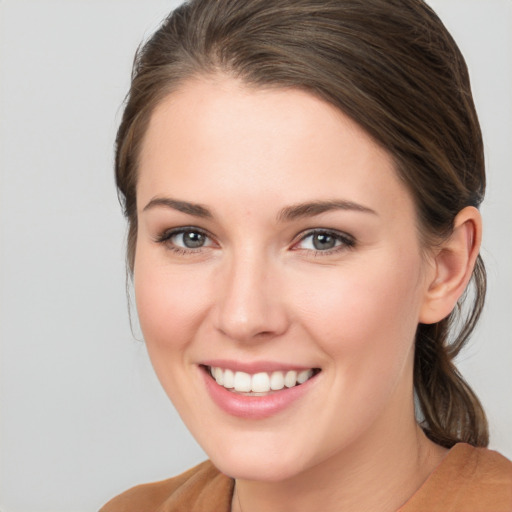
point(379, 474)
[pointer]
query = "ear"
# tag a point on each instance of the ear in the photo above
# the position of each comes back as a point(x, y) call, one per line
point(453, 263)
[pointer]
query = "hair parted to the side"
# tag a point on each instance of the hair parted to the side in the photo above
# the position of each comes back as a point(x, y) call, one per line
point(391, 66)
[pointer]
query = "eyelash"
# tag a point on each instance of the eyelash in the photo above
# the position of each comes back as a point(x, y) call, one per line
point(165, 239)
point(346, 241)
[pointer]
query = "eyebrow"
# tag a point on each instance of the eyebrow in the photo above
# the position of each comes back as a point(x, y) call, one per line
point(287, 214)
point(310, 209)
point(197, 210)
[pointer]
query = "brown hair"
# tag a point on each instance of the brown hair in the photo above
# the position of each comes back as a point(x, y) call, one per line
point(390, 65)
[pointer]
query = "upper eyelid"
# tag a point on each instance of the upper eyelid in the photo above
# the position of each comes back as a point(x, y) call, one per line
point(168, 233)
point(327, 231)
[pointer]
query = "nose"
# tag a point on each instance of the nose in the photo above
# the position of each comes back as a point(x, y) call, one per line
point(249, 305)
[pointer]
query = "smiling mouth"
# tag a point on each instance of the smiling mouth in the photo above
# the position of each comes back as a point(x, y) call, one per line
point(259, 384)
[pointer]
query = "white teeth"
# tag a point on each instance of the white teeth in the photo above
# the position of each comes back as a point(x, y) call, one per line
point(262, 382)
point(290, 379)
point(304, 376)
point(218, 374)
point(242, 382)
point(229, 379)
point(276, 381)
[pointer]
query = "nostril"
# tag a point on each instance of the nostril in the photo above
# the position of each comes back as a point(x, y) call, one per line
point(264, 334)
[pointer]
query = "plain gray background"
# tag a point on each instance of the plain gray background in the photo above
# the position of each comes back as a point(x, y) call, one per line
point(82, 416)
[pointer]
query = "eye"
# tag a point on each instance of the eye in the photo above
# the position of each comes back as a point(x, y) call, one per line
point(185, 239)
point(324, 241)
point(189, 239)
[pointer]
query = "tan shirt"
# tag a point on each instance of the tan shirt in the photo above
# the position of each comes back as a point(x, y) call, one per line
point(467, 480)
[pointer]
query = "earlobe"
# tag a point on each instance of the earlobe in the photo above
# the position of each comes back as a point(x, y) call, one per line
point(453, 264)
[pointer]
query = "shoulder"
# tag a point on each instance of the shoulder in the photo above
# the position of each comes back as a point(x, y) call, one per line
point(492, 476)
point(492, 465)
point(487, 470)
point(203, 488)
point(469, 479)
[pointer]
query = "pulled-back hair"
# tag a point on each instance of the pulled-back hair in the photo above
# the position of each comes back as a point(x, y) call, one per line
point(391, 66)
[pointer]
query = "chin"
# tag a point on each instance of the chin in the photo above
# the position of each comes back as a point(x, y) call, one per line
point(243, 468)
point(253, 462)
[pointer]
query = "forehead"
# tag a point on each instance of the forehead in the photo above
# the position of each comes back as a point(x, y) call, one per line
point(217, 138)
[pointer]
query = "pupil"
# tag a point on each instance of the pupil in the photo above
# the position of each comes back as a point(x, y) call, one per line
point(193, 240)
point(323, 242)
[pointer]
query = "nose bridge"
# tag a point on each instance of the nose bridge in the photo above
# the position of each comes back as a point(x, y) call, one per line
point(248, 304)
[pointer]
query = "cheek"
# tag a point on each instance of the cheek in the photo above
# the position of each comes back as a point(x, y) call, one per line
point(170, 312)
point(365, 317)
point(365, 325)
point(169, 304)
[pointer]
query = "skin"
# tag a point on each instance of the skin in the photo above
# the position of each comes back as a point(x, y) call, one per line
point(258, 290)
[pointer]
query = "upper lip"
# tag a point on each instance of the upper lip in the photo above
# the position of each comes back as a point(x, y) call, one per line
point(253, 367)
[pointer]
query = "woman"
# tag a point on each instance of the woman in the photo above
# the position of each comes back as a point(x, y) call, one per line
point(302, 181)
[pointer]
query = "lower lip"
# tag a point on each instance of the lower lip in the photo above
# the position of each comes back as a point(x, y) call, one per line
point(254, 407)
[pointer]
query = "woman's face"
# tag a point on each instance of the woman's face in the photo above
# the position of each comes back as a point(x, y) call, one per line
point(276, 243)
